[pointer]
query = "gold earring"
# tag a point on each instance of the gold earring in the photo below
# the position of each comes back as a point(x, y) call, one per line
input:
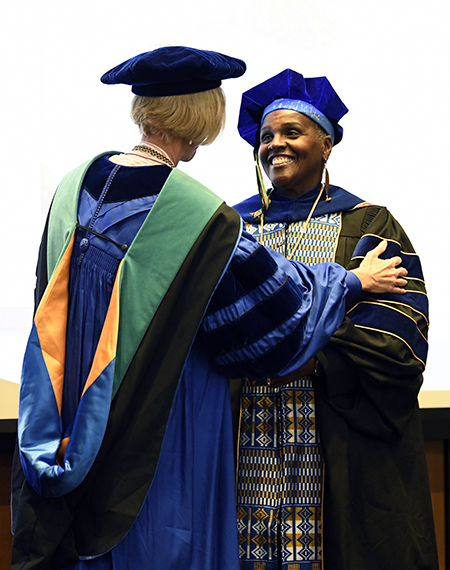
point(263, 194)
point(327, 182)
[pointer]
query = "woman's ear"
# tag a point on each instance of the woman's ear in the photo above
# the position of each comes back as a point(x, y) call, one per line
point(327, 146)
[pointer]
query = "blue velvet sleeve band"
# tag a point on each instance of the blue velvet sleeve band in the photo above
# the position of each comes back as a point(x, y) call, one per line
point(269, 316)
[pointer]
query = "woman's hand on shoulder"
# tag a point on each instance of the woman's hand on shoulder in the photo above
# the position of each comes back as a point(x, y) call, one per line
point(381, 275)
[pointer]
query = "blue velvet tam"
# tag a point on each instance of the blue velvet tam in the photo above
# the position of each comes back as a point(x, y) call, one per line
point(313, 97)
point(174, 70)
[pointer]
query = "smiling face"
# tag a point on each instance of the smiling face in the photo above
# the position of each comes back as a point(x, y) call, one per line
point(292, 153)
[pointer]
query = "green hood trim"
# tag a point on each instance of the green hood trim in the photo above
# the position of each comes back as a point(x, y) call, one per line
point(63, 213)
point(153, 259)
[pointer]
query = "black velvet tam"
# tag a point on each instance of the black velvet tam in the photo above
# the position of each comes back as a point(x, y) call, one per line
point(175, 70)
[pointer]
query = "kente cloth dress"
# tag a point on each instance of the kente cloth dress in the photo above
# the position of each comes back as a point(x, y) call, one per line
point(149, 298)
point(332, 468)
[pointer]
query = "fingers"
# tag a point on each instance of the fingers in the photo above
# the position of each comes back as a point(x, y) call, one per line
point(399, 290)
point(378, 250)
point(380, 275)
point(373, 255)
point(401, 283)
point(394, 263)
point(381, 247)
point(396, 260)
point(396, 284)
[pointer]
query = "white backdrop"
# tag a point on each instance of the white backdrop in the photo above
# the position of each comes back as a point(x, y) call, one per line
point(386, 59)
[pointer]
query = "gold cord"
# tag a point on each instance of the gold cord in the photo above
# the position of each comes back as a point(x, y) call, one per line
point(305, 225)
point(302, 230)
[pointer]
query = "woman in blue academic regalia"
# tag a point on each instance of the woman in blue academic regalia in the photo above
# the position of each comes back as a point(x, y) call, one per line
point(336, 476)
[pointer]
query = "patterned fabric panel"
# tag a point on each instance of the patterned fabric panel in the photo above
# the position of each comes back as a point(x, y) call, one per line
point(280, 460)
point(280, 477)
point(317, 245)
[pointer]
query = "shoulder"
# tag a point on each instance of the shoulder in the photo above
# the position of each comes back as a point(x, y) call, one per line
point(372, 219)
point(366, 217)
point(247, 207)
point(368, 220)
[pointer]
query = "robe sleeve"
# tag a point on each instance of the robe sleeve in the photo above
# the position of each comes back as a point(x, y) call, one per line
point(269, 316)
point(371, 370)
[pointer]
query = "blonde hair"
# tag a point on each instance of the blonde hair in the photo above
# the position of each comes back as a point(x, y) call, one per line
point(199, 117)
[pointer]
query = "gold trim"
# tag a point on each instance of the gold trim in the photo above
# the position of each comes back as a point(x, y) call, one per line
point(395, 336)
point(417, 292)
point(386, 239)
point(389, 302)
point(414, 279)
point(392, 309)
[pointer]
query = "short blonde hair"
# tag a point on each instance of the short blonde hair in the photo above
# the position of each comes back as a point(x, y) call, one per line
point(199, 117)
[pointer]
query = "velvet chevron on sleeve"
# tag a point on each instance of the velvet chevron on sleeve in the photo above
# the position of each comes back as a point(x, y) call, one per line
point(384, 337)
point(362, 428)
point(269, 316)
point(377, 506)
